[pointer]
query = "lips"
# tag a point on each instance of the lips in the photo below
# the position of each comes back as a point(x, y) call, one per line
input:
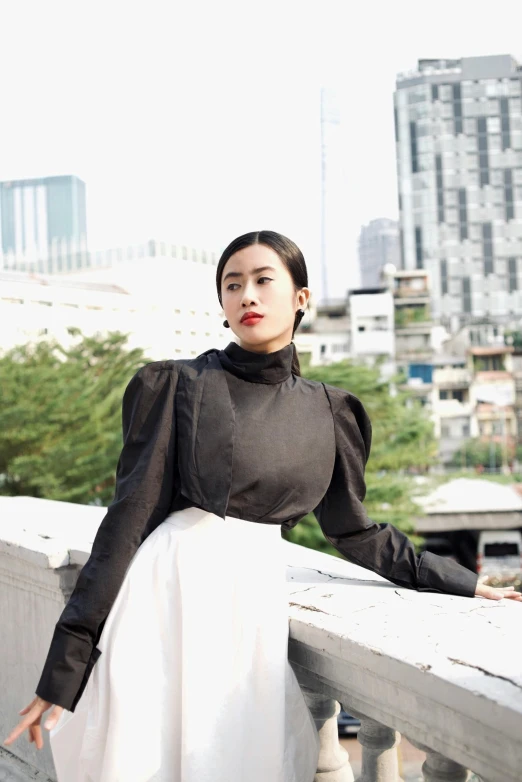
point(251, 318)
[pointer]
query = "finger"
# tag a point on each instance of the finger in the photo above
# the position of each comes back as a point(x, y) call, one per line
point(53, 717)
point(16, 732)
point(37, 736)
point(493, 594)
point(27, 708)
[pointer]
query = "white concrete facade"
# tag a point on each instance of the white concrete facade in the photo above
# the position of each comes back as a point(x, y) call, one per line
point(169, 306)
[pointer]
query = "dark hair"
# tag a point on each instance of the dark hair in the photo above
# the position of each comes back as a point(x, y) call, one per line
point(290, 255)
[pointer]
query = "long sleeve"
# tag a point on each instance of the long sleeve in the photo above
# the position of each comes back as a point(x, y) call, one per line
point(381, 548)
point(143, 492)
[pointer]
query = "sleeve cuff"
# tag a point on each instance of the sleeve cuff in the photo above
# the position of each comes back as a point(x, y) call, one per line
point(67, 669)
point(440, 574)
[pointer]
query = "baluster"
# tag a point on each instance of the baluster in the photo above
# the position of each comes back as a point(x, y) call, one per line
point(380, 761)
point(438, 768)
point(334, 764)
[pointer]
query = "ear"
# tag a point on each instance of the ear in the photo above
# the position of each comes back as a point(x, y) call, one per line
point(302, 298)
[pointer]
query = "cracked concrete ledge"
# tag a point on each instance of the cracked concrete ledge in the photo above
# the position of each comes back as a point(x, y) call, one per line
point(445, 667)
point(47, 533)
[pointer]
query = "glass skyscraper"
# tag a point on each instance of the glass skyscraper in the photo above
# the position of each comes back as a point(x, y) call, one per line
point(378, 245)
point(34, 213)
point(458, 132)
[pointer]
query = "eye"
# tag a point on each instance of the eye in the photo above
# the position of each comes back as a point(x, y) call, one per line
point(264, 278)
point(230, 286)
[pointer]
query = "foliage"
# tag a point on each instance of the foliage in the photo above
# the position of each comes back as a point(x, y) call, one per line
point(60, 418)
point(402, 442)
point(406, 315)
point(513, 338)
point(479, 453)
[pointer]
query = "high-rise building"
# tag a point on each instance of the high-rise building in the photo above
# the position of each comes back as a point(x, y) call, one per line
point(458, 131)
point(378, 245)
point(37, 213)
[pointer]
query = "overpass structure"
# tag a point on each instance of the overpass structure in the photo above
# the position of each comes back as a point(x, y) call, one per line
point(469, 504)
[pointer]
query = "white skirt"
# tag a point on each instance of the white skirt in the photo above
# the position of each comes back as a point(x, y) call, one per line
point(193, 683)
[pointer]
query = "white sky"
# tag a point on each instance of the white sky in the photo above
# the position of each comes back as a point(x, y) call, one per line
point(198, 121)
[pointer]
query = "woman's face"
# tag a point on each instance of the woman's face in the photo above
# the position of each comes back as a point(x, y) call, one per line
point(256, 281)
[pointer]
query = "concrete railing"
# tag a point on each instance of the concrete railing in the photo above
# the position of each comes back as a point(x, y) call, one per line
point(443, 671)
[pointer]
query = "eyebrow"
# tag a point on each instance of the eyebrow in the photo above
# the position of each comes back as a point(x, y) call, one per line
point(254, 271)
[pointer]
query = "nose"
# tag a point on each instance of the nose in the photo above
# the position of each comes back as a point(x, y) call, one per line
point(249, 296)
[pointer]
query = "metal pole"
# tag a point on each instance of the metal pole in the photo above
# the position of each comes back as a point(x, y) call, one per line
point(504, 439)
point(324, 279)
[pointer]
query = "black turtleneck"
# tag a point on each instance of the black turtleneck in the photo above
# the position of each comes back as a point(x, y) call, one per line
point(280, 458)
point(258, 367)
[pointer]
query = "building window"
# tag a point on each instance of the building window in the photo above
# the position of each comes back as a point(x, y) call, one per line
point(458, 395)
point(508, 194)
point(504, 123)
point(396, 123)
point(422, 372)
point(413, 147)
point(482, 133)
point(463, 214)
point(440, 188)
point(512, 275)
point(487, 247)
point(418, 247)
point(466, 294)
point(434, 92)
point(443, 276)
point(443, 395)
point(445, 430)
point(323, 350)
point(457, 109)
point(465, 430)
point(488, 364)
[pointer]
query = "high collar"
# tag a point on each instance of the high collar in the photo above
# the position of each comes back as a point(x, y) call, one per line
point(258, 367)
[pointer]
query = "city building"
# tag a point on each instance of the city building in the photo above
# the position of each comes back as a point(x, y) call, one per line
point(458, 131)
point(37, 215)
point(68, 258)
point(168, 306)
point(378, 245)
point(323, 336)
point(417, 337)
point(372, 335)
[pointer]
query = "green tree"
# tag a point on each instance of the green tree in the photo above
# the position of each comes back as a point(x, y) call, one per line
point(403, 442)
point(60, 417)
point(479, 453)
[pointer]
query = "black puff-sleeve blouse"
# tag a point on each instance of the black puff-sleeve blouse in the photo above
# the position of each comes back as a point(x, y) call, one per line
point(233, 432)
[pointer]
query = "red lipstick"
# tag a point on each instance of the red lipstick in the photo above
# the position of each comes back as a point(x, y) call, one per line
point(251, 318)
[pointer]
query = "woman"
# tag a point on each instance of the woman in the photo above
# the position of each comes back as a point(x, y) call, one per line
point(182, 602)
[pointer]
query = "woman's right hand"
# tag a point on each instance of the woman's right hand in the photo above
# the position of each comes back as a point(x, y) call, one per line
point(32, 721)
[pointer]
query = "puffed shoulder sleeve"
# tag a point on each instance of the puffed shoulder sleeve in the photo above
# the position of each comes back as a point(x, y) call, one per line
point(143, 492)
point(381, 548)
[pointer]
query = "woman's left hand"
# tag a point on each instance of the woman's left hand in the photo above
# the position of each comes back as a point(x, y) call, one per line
point(497, 593)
